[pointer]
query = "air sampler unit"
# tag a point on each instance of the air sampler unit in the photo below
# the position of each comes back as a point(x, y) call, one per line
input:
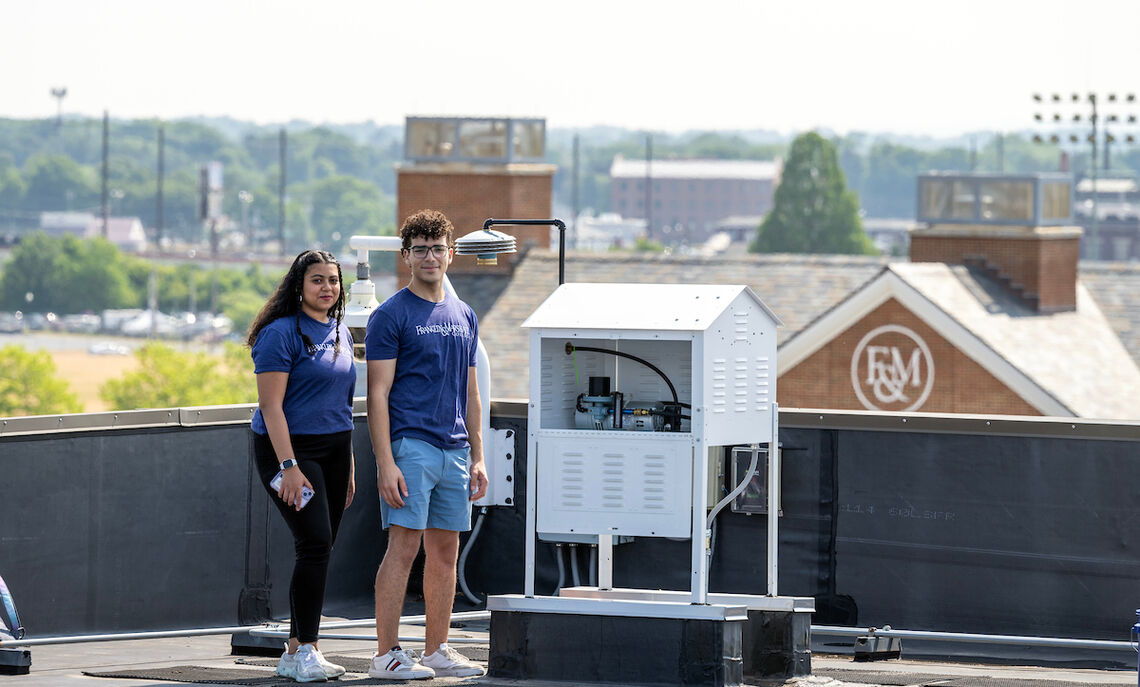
point(637, 391)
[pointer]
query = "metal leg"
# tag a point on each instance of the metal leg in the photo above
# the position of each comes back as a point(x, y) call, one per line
point(605, 561)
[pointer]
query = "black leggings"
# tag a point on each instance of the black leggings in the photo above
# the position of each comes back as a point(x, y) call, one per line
point(324, 460)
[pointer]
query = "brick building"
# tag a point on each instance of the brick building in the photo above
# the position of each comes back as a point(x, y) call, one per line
point(689, 198)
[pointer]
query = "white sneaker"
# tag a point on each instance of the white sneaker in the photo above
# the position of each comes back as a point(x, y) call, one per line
point(287, 666)
point(306, 668)
point(399, 664)
point(447, 662)
point(332, 670)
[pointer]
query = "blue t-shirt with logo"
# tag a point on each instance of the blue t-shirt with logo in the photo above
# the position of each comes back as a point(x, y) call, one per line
point(434, 347)
point(318, 396)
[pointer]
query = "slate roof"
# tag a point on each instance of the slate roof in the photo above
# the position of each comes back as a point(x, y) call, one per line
point(1116, 288)
point(1099, 380)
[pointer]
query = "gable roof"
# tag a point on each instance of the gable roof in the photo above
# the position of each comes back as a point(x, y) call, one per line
point(652, 307)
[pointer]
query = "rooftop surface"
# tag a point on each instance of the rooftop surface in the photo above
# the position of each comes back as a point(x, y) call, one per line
point(208, 658)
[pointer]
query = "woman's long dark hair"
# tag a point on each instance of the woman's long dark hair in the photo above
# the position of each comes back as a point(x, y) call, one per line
point(286, 300)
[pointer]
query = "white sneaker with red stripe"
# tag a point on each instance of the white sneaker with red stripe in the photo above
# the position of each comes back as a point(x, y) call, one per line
point(399, 664)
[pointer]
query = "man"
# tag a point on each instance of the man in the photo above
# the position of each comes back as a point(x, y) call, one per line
point(424, 418)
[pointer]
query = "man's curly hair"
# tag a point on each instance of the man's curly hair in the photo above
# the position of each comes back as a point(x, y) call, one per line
point(429, 224)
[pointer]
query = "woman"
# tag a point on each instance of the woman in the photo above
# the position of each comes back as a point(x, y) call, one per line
point(302, 355)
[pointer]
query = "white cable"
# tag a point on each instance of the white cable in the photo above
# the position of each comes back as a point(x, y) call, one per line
point(561, 568)
point(574, 575)
point(463, 558)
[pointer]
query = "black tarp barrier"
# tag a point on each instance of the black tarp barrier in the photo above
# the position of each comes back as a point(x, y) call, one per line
point(139, 529)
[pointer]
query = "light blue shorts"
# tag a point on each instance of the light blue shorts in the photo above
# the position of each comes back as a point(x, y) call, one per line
point(438, 487)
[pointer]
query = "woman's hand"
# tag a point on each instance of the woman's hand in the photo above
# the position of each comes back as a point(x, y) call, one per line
point(351, 489)
point(291, 484)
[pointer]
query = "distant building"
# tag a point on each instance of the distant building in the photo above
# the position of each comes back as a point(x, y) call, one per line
point(740, 228)
point(890, 235)
point(689, 198)
point(607, 230)
point(58, 224)
point(126, 233)
point(1117, 203)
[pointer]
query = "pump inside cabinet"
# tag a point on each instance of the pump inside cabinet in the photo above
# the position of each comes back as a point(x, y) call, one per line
point(600, 408)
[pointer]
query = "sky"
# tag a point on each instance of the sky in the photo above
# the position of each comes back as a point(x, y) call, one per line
point(910, 67)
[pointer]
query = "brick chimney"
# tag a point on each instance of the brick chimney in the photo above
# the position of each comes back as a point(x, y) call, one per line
point(1017, 229)
point(473, 169)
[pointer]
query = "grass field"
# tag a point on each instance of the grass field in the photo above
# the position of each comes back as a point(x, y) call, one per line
point(86, 373)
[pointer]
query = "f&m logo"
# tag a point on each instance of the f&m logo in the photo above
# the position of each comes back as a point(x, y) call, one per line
point(892, 369)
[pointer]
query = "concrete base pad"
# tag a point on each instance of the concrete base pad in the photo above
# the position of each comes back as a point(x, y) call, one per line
point(535, 645)
point(15, 661)
point(775, 641)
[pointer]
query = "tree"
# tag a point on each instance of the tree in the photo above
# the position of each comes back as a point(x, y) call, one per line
point(12, 187)
point(29, 385)
point(167, 378)
point(343, 206)
point(56, 182)
point(66, 275)
point(814, 212)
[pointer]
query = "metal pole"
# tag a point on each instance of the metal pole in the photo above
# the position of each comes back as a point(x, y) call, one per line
point(281, 193)
point(1059, 642)
point(206, 631)
point(648, 186)
point(557, 223)
point(104, 203)
point(158, 218)
point(1094, 230)
point(774, 502)
point(574, 192)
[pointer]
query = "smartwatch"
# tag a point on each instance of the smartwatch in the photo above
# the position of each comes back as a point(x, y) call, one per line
point(288, 463)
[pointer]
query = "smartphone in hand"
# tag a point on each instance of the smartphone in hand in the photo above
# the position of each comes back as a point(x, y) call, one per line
point(275, 485)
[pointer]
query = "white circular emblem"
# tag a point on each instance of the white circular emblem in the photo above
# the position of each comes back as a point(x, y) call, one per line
point(892, 369)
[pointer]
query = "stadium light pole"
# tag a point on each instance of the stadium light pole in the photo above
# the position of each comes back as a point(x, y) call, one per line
point(1086, 109)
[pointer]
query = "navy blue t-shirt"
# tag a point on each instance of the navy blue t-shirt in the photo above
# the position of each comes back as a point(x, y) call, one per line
point(318, 396)
point(434, 347)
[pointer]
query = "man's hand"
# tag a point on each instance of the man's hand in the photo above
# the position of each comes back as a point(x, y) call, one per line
point(478, 481)
point(393, 489)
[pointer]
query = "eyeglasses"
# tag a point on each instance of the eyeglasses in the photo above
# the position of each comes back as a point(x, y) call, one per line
point(438, 250)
